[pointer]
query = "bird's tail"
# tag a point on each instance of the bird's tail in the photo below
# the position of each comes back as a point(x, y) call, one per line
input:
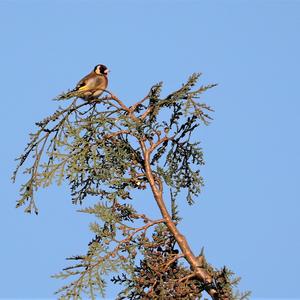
point(69, 94)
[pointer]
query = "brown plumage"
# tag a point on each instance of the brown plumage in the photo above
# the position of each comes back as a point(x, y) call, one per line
point(91, 86)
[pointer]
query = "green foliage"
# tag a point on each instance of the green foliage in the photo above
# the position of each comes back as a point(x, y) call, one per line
point(91, 145)
point(98, 147)
point(159, 274)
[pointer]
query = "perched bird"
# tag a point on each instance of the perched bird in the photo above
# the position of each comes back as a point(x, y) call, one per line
point(91, 86)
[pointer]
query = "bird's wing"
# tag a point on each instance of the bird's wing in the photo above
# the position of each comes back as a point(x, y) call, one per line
point(84, 84)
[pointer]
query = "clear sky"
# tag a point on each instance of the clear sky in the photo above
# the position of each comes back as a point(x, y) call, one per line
point(248, 216)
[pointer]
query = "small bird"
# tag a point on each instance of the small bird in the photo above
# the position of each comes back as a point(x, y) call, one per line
point(91, 86)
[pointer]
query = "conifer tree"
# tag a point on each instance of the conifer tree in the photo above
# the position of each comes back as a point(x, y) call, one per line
point(107, 150)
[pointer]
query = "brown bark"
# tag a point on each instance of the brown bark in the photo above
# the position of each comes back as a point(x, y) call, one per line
point(157, 190)
point(199, 272)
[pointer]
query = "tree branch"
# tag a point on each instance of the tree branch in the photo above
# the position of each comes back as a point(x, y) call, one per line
point(200, 273)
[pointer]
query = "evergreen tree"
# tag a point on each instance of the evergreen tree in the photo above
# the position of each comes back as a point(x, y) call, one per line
point(107, 150)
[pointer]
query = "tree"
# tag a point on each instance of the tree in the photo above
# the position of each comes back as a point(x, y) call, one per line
point(107, 150)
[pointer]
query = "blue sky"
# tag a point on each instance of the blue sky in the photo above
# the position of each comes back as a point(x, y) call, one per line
point(248, 216)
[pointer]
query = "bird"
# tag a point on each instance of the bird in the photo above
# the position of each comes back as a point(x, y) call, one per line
point(91, 86)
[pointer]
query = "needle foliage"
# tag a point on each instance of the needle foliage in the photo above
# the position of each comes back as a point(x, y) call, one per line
point(107, 150)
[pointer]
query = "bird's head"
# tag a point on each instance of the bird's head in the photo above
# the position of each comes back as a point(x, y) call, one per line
point(101, 70)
